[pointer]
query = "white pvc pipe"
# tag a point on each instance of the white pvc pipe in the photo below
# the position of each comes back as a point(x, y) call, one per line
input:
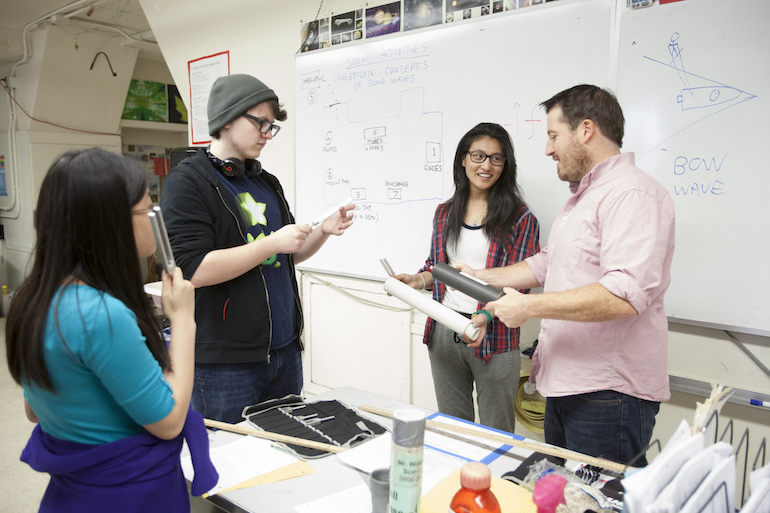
point(13, 166)
point(433, 309)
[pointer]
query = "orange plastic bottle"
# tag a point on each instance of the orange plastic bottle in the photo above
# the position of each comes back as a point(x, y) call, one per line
point(475, 495)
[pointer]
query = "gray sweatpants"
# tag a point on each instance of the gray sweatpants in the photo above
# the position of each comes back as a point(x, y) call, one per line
point(455, 368)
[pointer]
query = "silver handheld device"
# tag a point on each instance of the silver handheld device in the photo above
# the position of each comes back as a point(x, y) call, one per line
point(388, 268)
point(161, 239)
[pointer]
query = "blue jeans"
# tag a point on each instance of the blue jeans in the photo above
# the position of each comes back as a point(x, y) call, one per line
point(222, 391)
point(603, 424)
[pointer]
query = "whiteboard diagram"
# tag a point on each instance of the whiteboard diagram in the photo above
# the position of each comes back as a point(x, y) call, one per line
point(402, 153)
point(379, 121)
point(695, 93)
point(704, 96)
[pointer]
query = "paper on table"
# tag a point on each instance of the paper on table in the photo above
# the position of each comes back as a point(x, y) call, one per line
point(512, 498)
point(300, 468)
point(375, 454)
point(241, 461)
point(352, 500)
point(370, 455)
point(464, 450)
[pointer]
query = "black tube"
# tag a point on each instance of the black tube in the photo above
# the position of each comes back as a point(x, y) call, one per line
point(475, 288)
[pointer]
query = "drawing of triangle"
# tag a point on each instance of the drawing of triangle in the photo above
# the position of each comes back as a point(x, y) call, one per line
point(704, 93)
point(703, 97)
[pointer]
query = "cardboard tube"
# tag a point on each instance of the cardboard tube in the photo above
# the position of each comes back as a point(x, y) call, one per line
point(433, 309)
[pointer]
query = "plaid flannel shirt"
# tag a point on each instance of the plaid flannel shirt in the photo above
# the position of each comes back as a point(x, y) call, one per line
point(523, 241)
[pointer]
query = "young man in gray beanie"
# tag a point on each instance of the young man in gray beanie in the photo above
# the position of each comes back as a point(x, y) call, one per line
point(235, 239)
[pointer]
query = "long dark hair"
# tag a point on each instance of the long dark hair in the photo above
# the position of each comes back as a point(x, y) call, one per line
point(84, 232)
point(504, 202)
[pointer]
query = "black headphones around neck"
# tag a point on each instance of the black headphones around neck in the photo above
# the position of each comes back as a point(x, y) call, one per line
point(232, 167)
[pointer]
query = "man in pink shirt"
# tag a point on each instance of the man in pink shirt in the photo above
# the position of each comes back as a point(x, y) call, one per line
point(601, 359)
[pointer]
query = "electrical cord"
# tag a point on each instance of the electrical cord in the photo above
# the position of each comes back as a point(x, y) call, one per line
point(530, 412)
point(316, 18)
point(318, 281)
point(54, 124)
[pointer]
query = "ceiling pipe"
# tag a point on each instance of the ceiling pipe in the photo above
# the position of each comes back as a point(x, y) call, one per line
point(109, 26)
point(32, 24)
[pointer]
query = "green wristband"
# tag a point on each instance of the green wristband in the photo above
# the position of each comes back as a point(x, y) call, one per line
point(489, 315)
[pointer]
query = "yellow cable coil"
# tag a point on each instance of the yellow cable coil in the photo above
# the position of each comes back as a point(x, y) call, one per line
point(531, 413)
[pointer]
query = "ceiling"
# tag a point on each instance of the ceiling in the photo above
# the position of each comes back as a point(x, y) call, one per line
point(118, 18)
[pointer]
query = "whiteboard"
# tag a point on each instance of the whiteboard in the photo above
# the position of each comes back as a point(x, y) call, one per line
point(380, 121)
point(694, 84)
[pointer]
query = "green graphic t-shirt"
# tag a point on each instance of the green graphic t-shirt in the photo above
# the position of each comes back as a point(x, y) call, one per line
point(260, 213)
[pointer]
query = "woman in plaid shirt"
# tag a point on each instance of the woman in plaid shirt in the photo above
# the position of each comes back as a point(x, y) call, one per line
point(484, 224)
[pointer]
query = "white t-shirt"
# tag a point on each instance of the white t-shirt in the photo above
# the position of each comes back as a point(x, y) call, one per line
point(472, 248)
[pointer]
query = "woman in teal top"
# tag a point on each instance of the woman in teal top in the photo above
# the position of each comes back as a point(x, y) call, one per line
point(81, 335)
point(108, 384)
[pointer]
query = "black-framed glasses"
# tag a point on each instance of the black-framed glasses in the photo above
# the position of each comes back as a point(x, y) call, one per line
point(479, 157)
point(264, 125)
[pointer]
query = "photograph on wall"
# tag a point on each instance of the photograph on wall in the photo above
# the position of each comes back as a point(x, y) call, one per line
point(383, 19)
point(177, 112)
point(146, 101)
point(324, 37)
point(422, 13)
point(509, 5)
point(309, 37)
point(342, 27)
point(457, 10)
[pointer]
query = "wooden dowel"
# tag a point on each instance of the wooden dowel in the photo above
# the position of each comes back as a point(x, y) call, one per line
point(276, 437)
point(507, 440)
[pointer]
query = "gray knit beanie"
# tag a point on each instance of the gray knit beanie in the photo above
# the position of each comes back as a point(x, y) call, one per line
point(233, 95)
